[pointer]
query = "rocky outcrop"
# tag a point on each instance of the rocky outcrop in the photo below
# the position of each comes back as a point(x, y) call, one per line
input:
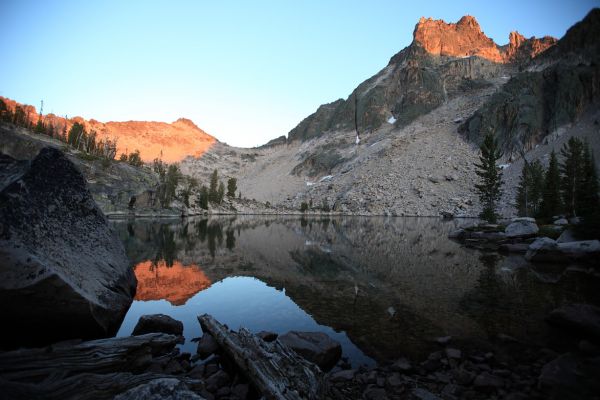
point(444, 59)
point(550, 251)
point(63, 271)
point(462, 39)
point(560, 86)
point(522, 50)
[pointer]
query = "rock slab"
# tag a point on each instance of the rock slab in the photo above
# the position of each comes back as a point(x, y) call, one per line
point(62, 270)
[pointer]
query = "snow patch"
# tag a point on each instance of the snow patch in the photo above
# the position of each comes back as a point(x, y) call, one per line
point(309, 183)
point(326, 178)
point(391, 120)
point(503, 166)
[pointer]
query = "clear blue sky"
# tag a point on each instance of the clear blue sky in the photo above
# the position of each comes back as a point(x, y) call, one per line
point(244, 71)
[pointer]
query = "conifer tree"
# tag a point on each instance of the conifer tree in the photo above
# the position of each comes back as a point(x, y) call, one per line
point(571, 169)
point(231, 187)
point(530, 190)
point(588, 193)
point(490, 186)
point(203, 200)
point(213, 194)
point(220, 193)
point(551, 199)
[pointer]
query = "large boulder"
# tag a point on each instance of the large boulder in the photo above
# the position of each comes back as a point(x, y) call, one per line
point(521, 227)
point(316, 347)
point(580, 318)
point(63, 273)
point(550, 251)
point(158, 323)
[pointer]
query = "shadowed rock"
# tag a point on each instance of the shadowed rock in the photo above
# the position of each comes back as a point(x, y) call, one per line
point(316, 347)
point(158, 323)
point(62, 271)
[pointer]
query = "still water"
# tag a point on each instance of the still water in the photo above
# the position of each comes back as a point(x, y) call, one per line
point(382, 287)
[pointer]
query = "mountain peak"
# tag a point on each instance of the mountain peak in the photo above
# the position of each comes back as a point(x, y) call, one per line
point(465, 39)
point(461, 39)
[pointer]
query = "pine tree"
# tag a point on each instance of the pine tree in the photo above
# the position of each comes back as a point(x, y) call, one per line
point(75, 134)
point(588, 193)
point(530, 190)
point(203, 200)
point(490, 186)
point(220, 193)
point(572, 174)
point(551, 199)
point(213, 195)
point(231, 187)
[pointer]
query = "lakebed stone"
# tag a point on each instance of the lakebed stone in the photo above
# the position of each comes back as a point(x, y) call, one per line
point(62, 270)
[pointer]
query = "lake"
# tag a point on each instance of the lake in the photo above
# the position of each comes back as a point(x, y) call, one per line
point(382, 287)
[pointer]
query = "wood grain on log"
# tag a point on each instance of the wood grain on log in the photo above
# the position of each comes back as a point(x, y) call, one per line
point(103, 356)
point(84, 386)
point(274, 369)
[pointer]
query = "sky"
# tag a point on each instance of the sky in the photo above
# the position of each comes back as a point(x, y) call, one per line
point(243, 71)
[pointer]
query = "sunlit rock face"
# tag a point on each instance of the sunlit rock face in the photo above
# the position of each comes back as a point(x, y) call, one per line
point(171, 142)
point(465, 38)
point(176, 283)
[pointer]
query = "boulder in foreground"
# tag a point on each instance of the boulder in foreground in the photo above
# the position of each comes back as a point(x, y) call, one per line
point(62, 270)
point(158, 323)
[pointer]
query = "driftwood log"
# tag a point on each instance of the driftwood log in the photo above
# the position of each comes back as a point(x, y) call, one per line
point(85, 386)
point(98, 369)
point(274, 369)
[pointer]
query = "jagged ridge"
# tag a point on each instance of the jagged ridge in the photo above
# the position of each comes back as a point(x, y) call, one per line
point(442, 60)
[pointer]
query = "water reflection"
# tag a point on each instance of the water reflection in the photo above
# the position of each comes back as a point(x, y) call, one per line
point(344, 275)
point(171, 281)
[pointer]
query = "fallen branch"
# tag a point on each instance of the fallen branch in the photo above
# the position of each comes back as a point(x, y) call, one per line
point(274, 369)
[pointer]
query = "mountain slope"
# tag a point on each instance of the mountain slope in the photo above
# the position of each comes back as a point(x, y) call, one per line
point(412, 159)
point(153, 139)
point(443, 60)
point(554, 90)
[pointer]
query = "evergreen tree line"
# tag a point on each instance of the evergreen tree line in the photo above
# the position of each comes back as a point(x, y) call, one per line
point(76, 137)
point(569, 187)
point(215, 192)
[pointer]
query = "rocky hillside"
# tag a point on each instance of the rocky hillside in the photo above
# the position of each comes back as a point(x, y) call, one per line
point(553, 90)
point(416, 154)
point(171, 142)
point(444, 60)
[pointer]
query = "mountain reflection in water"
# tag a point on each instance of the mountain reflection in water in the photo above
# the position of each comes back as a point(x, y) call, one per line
point(175, 283)
point(383, 287)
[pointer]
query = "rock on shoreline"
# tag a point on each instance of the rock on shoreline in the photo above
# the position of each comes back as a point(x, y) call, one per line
point(62, 270)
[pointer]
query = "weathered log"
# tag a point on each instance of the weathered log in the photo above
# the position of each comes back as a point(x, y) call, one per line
point(274, 369)
point(84, 386)
point(103, 356)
